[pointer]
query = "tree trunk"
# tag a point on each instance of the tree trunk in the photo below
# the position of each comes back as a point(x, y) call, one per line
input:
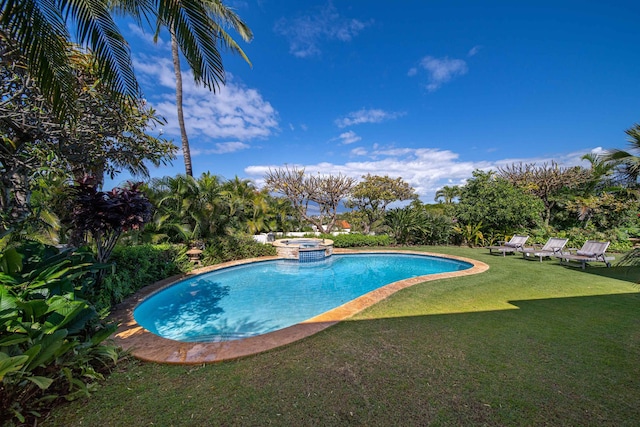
point(186, 152)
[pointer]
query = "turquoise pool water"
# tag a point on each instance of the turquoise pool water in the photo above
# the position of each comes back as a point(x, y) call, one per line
point(253, 299)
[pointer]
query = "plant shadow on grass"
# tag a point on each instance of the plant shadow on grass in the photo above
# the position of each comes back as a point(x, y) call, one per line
point(554, 361)
point(624, 273)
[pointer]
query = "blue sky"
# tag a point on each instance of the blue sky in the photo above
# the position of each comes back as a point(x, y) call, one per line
point(424, 90)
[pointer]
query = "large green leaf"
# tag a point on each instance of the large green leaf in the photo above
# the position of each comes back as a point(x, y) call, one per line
point(62, 311)
point(10, 261)
point(103, 334)
point(33, 351)
point(33, 310)
point(7, 300)
point(6, 280)
point(42, 382)
point(11, 364)
point(78, 323)
point(13, 339)
point(49, 348)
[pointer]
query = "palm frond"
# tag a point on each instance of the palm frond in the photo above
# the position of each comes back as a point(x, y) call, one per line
point(96, 28)
point(38, 28)
point(198, 26)
point(189, 22)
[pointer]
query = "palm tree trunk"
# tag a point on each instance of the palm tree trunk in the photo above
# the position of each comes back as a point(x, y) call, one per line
point(186, 152)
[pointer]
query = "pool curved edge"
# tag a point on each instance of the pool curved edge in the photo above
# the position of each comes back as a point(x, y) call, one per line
point(147, 346)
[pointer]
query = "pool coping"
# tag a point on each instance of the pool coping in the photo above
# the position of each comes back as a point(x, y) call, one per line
point(147, 346)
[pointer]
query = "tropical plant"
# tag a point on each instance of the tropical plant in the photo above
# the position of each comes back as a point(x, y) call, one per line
point(402, 224)
point(104, 216)
point(42, 29)
point(51, 340)
point(470, 234)
point(626, 161)
point(37, 150)
point(134, 267)
point(602, 173)
point(189, 209)
point(229, 248)
point(357, 240)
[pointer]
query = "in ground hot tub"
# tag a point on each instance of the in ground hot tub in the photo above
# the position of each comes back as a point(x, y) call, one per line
point(304, 249)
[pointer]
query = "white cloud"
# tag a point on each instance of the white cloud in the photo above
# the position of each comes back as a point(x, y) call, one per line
point(306, 32)
point(233, 112)
point(222, 148)
point(148, 37)
point(474, 51)
point(425, 169)
point(440, 70)
point(359, 151)
point(349, 137)
point(366, 116)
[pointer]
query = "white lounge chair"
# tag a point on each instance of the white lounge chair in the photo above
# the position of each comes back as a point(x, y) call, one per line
point(515, 244)
point(591, 251)
point(553, 247)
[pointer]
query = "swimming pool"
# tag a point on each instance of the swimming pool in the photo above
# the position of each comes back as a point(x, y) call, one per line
point(254, 299)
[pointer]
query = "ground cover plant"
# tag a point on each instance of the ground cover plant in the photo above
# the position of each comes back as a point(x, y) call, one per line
point(525, 343)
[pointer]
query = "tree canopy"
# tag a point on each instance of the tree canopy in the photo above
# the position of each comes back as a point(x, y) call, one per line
point(34, 143)
point(496, 203)
point(374, 193)
point(550, 182)
point(303, 190)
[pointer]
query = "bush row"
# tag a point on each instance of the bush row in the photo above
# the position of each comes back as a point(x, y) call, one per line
point(357, 240)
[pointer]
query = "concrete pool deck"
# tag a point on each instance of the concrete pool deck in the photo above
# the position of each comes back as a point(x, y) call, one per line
point(146, 346)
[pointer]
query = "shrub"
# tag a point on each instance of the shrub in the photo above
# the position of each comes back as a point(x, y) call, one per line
point(230, 248)
point(134, 267)
point(435, 229)
point(354, 240)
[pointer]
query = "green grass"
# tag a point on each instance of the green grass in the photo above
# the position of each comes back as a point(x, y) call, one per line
point(522, 344)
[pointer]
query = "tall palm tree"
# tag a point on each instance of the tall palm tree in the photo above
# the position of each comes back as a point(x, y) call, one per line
point(40, 29)
point(222, 17)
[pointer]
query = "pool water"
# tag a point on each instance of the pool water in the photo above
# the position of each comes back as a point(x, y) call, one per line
point(257, 298)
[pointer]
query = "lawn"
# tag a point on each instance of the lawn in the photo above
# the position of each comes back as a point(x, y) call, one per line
point(525, 343)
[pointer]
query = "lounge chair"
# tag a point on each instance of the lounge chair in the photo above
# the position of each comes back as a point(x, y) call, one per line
point(515, 244)
point(553, 247)
point(591, 251)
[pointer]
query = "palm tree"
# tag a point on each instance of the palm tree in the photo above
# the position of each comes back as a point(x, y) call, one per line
point(222, 17)
point(601, 170)
point(40, 30)
point(629, 162)
point(447, 194)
